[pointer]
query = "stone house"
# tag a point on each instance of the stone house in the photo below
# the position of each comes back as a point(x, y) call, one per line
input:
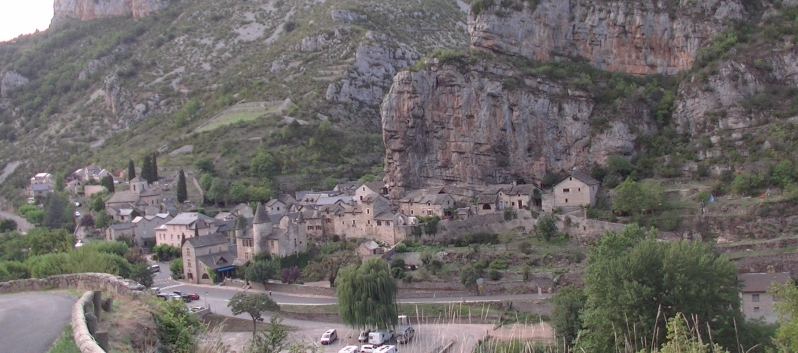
point(519, 197)
point(487, 204)
point(576, 190)
point(370, 188)
point(145, 226)
point(369, 249)
point(184, 226)
point(123, 230)
point(206, 253)
point(278, 235)
point(427, 202)
point(139, 195)
point(90, 172)
point(41, 184)
point(123, 214)
point(757, 303)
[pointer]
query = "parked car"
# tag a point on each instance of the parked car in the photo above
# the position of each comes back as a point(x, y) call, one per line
point(156, 290)
point(386, 349)
point(364, 336)
point(193, 296)
point(366, 348)
point(329, 336)
point(176, 297)
point(155, 268)
point(404, 334)
point(164, 296)
point(186, 297)
point(379, 338)
point(349, 349)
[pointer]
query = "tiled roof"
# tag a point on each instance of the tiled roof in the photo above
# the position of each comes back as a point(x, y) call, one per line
point(261, 216)
point(761, 282)
point(583, 177)
point(207, 240)
point(217, 260)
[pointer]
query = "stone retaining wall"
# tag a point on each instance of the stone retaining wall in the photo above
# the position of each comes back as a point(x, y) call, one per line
point(82, 281)
point(80, 330)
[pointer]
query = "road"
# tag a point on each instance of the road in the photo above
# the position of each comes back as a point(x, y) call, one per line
point(31, 322)
point(22, 224)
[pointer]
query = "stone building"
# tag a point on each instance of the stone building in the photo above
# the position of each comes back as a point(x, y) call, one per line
point(184, 226)
point(757, 303)
point(427, 202)
point(576, 190)
point(278, 235)
point(146, 225)
point(206, 253)
point(139, 196)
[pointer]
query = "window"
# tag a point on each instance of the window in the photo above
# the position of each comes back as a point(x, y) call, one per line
point(368, 211)
point(387, 223)
point(486, 206)
point(328, 220)
point(368, 222)
point(513, 203)
point(755, 298)
point(379, 223)
point(310, 227)
point(566, 190)
point(411, 211)
point(566, 200)
point(578, 189)
point(278, 208)
point(756, 309)
point(317, 228)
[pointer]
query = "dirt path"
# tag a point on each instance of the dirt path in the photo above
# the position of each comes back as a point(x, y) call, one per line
point(22, 224)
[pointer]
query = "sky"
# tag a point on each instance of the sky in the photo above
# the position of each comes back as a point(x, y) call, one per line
point(23, 17)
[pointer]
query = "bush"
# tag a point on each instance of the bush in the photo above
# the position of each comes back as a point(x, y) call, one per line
point(495, 275)
point(481, 264)
point(476, 238)
point(401, 248)
point(397, 272)
point(747, 183)
point(525, 247)
point(398, 262)
point(498, 264)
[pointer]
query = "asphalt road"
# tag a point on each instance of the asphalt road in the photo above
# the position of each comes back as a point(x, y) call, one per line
point(31, 322)
point(22, 224)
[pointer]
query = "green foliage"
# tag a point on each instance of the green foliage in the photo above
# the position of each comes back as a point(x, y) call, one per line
point(97, 204)
point(43, 241)
point(619, 166)
point(787, 306)
point(747, 183)
point(525, 270)
point(328, 267)
point(176, 327)
point(205, 166)
point(636, 198)
point(478, 6)
point(494, 275)
point(683, 339)
point(57, 212)
point(367, 295)
point(510, 214)
point(398, 262)
point(65, 343)
point(187, 114)
point(218, 191)
point(111, 247)
point(550, 179)
point(273, 340)
point(237, 192)
point(78, 261)
point(166, 252)
point(182, 190)
point(262, 270)
point(131, 170)
point(141, 273)
point(108, 182)
point(252, 304)
point(659, 280)
point(103, 220)
point(7, 225)
point(264, 164)
point(565, 319)
point(11, 270)
point(469, 276)
point(783, 173)
point(499, 264)
point(546, 227)
point(176, 266)
point(476, 238)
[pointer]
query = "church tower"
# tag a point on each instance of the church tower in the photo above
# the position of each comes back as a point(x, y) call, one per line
point(261, 228)
point(138, 185)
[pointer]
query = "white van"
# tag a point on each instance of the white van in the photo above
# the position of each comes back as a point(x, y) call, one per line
point(349, 349)
point(404, 334)
point(379, 337)
point(386, 349)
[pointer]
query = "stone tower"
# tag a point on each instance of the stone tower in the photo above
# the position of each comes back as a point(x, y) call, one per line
point(138, 185)
point(261, 228)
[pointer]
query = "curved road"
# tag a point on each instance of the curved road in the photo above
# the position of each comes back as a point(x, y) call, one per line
point(31, 322)
point(22, 224)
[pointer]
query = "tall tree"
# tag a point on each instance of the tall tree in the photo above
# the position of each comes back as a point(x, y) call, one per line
point(142, 274)
point(146, 169)
point(635, 283)
point(252, 304)
point(273, 340)
point(59, 182)
point(367, 295)
point(108, 182)
point(565, 319)
point(329, 266)
point(42, 241)
point(57, 213)
point(262, 270)
point(154, 167)
point(218, 191)
point(131, 170)
point(182, 190)
point(787, 306)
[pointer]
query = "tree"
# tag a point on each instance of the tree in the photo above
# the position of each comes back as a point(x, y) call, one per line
point(273, 340)
point(142, 274)
point(787, 306)
point(131, 170)
point(634, 284)
point(546, 227)
point(57, 212)
point(253, 305)
point(218, 191)
point(506, 238)
point(108, 182)
point(103, 220)
point(176, 327)
point(328, 267)
point(206, 180)
point(636, 198)
point(44, 241)
point(262, 270)
point(146, 169)
point(97, 204)
point(182, 189)
point(565, 318)
point(59, 182)
point(290, 275)
point(238, 192)
point(468, 277)
point(367, 295)
point(264, 164)
point(176, 266)
point(154, 166)
point(205, 166)
point(7, 225)
point(87, 221)
point(682, 339)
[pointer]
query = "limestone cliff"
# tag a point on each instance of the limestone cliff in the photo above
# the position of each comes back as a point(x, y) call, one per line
point(93, 9)
point(638, 37)
point(446, 126)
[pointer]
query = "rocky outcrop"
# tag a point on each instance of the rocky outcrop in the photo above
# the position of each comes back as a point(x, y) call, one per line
point(318, 42)
point(638, 37)
point(444, 126)
point(346, 16)
point(93, 9)
point(95, 65)
point(10, 81)
point(376, 62)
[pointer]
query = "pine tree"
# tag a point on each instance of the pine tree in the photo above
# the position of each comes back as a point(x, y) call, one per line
point(108, 182)
point(131, 170)
point(154, 168)
point(182, 191)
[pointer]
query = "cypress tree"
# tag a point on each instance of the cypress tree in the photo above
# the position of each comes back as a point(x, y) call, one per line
point(182, 192)
point(108, 182)
point(131, 170)
point(154, 168)
point(146, 169)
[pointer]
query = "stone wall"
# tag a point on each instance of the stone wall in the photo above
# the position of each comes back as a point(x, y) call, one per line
point(778, 263)
point(80, 330)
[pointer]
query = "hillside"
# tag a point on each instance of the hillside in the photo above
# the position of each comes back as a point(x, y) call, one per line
point(103, 85)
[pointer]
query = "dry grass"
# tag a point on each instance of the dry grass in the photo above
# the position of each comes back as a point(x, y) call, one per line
point(129, 325)
point(232, 324)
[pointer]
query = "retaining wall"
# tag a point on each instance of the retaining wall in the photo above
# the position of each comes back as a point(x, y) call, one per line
point(82, 281)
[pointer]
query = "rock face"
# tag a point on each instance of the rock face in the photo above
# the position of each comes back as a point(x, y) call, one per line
point(93, 9)
point(443, 126)
point(638, 37)
point(10, 81)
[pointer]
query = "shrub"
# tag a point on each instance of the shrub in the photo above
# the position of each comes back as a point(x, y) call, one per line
point(746, 183)
point(525, 247)
point(398, 262)
point(401, 248)
point(397, 272)
point(498, 264)
point(495, 275)
point(481, 264)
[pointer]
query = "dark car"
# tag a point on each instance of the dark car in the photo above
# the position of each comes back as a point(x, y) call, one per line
point(186, 297)
point(193, 296)
point(164, 296)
